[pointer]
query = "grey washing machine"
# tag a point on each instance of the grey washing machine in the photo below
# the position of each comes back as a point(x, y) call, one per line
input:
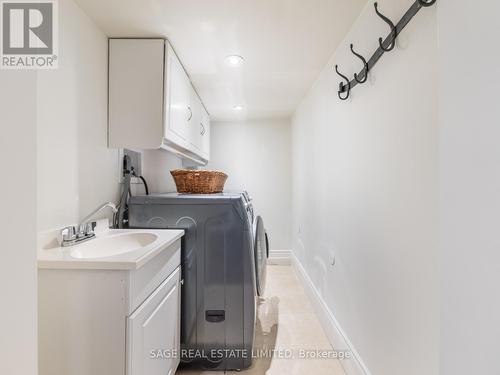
point(224, 253)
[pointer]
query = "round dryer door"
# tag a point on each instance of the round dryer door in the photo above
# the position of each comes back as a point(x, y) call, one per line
point(261, 253)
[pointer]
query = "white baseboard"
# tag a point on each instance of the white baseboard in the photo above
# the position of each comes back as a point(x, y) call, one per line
point(280, 257)
point(336, 335)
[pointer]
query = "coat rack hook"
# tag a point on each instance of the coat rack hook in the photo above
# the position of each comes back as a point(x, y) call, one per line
point(365, 63)
point(342, 86)
point(394, 31)
point(425, 3)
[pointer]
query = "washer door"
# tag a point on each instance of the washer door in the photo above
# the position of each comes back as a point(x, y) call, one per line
point(261, 253)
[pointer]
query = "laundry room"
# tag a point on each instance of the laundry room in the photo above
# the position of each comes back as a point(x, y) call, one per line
point(263, 187)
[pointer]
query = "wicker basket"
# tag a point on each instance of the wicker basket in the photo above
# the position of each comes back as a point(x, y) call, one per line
point(198, 181)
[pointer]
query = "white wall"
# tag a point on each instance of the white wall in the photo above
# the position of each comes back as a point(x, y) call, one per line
point(157, 165)
point(256, 156)
point(365, 193)
point(470, 185)
point(18, 327)
point(76, 170)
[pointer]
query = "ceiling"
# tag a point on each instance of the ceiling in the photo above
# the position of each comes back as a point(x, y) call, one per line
point(285, 44)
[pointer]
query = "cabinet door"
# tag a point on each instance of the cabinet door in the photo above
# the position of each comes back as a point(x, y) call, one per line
point(194, 122)
point(153, 331)
point(178, 97)
point(205, 133)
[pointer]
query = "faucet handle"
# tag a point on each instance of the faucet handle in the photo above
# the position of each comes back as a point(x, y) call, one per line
point(68, 234)
point(86, 229)
point(89, 227)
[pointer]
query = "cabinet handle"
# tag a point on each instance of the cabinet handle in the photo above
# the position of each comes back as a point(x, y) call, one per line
point(190, 113)
point(202, 129)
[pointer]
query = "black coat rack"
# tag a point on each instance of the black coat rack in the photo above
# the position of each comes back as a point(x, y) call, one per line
point(385, 45)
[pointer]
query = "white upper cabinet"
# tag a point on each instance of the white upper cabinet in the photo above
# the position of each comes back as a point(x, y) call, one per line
point(136, 93)
point(152, 103)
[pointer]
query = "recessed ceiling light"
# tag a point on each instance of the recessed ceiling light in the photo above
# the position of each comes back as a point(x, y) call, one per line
point(234, 60)
point(237, 108)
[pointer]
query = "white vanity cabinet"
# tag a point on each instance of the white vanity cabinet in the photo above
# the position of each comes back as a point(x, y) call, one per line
point(116, 321)
point(153, 332)
point(152, 102)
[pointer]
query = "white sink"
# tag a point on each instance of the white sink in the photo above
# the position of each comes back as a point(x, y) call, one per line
point(116, 249)
point(113, 245)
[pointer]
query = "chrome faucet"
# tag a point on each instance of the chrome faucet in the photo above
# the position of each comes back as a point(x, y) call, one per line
point(84, 231)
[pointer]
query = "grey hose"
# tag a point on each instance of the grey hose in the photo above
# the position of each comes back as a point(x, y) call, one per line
point(124, 199)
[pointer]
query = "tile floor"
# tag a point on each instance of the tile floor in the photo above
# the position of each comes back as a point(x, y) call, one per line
point(286, 322)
